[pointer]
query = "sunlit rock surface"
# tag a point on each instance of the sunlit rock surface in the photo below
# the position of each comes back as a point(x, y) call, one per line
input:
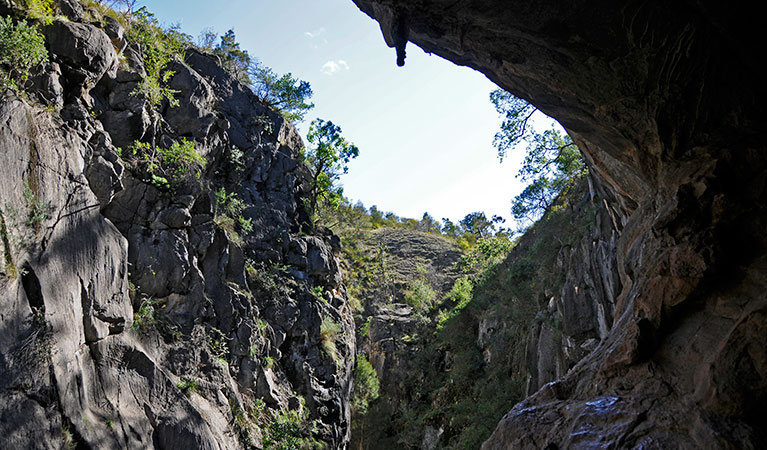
point(130, 317)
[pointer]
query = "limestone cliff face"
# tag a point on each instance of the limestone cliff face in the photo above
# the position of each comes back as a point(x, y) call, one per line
point(668, 107)
point(132, 316)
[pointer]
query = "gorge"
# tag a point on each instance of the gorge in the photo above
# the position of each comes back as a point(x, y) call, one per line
point(204, 308)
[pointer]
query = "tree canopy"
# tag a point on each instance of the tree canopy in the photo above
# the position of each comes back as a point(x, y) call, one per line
point(328, 158)
point(290, 96)
point(552, 164)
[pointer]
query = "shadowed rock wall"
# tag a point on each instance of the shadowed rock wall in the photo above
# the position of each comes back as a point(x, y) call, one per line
point(131, 314)
point(667, 106)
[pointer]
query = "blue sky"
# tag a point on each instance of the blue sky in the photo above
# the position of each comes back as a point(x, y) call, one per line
point(424, 131)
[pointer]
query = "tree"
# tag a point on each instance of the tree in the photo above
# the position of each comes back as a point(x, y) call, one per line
point(284, 93)
point(290, 96)
point(234, 59)
point(477, 224)
point(428, 224)
point(552, 164)
point(327, 160)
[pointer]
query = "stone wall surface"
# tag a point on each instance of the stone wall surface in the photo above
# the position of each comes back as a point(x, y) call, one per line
point(667, 105)
point(132, 315)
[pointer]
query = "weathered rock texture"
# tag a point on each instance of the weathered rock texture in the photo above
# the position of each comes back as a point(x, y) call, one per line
point(667, 105)
point(397, 331)
point(132, 316)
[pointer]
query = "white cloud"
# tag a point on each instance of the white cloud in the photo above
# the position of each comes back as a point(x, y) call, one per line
point(316, 38)
point(315, 34)
point(333, 67)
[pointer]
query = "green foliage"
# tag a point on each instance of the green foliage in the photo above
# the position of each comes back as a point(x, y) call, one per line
point(229, 214)
point(485, 253)
point(551, 166)
point(468, 393)
point(365, 328)
point(459, 297)
point(420, 295)
point(366, 385)
point(166, 168)
point(22, 48)
point(41, 10)
point(187, 386)
point(157, 47)
point(68, 441)
point(329, 332)
point(268, 362)
point(516, 113)
point(290, 96)
point(317, 292)
point(552, 163)
point(286, 94)
point(38, 211)
point(145, 318)
point(266, 279)
point(234, 59)
point(478, 226)
point(290, 430)
point(9, 268)
point(327, 160)
point(149, 319)
point(218, 344)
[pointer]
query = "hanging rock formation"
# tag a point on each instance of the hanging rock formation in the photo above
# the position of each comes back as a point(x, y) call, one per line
point(667, 105)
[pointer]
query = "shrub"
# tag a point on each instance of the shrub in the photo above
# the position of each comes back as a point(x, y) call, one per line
point(158, 47)
point(187, 385)
point(229, 214)
point(38, 210)
point(419, 294)
point(486, 253)
point(290, 430)
point(329, 331)
point(41, 10)
point(290, 96)
point(167, 167)
point(459, 296)
point(366, 385)
point(22, 48)
point(145, 318)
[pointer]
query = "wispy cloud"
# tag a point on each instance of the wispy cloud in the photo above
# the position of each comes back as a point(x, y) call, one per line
point(316, 37)
point(315, 34)
point(334, 67)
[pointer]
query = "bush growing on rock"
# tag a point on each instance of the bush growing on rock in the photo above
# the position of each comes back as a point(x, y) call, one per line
point(229, 214)
point(22, 48)
point(167, 167)
point(158, 47)
point(366, 385)
point(289, 430)
point(329, 332)
point(420, 295)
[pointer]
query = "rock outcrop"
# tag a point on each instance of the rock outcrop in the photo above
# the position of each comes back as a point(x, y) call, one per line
point(135, 313)
point(396, 331)
point(667, 105)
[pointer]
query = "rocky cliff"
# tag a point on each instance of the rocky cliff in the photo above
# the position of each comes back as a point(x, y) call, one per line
point(667, 105)
point(188, 308)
